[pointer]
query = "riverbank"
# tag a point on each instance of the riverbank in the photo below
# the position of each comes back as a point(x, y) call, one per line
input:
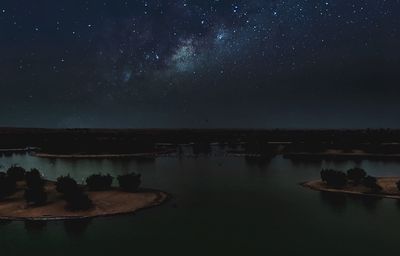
point(16, 150)
point(94, 156)
point(106, 203)
point(388, 184)
point(340, 156)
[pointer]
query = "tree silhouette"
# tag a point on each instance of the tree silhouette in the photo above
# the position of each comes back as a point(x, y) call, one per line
point(336, 179)
point(129, 182)
point(98, 182)
point(78, 201)
point(66, 184)
point(16, 172)
point(35, 193)
point(8, 185)
point(34, 179)
point(356, 175)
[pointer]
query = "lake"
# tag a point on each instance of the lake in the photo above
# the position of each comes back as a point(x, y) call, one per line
point(220, 205)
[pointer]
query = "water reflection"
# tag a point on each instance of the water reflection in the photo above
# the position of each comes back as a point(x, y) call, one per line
point(302, 162)
point(5, 222)
point(76, 228)
point(145, 160)
point(259, 161)
point(339, 201)
point(35, 226)
point(370, 203)
point(335, 200)
point(210, 195)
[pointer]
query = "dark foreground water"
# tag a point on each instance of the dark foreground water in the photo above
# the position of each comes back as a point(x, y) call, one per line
point(220, 206)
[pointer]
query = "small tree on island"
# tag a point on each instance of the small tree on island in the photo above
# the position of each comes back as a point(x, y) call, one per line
point(336, 179)
point(8, 186)
point(16, 172)
point(356, 175)
point(129, 182)
point(34, 179)
point(98, 182)
point(35, 193)
point(66, 184)
point(76, 199)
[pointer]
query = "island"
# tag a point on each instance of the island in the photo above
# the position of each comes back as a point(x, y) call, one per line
point(64, 199)
point(356, 182)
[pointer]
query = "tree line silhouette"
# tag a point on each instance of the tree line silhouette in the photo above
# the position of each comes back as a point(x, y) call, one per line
point(353, 177)
point(384, 141)
point(35, 193)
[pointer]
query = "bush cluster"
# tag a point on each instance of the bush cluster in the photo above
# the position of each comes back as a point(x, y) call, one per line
point(16, 172)
point(35, 193)
point(66, 184)
point(76, 199)
point(336, 179)
point(8, 185)
point(129, 182)
point(34, 179)
point(355, 176)
point(98, 182)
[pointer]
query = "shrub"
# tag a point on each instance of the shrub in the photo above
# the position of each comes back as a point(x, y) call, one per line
point(398, 186)
point(8, 185)
point(78, 201)
point(73, 194)
point(98, 182)
point(35, 196)
point(66, 185)
point(34, 179)
point(356, 175)
point(336, 179)
point(371, 182)
point(35, 193)
point(129, 182)
point(16, 172)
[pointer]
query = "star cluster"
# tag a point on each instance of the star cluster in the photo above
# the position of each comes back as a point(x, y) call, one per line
point(172, 56)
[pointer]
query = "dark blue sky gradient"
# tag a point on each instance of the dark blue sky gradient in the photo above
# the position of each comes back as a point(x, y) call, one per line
point(243, 64)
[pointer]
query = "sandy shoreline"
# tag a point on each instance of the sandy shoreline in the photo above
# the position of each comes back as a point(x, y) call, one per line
point(388, 184)
point(106, 203)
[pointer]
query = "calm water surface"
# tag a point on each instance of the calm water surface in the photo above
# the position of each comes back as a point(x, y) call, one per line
point(220, 206)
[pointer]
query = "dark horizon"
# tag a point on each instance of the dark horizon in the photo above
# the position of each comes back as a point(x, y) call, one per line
point(2, 128)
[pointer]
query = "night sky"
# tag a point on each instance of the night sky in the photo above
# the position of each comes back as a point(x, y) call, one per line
point(200, 64)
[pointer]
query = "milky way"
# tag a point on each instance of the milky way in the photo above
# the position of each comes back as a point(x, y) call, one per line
point(281, 63)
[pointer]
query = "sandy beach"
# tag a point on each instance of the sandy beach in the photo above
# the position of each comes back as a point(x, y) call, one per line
point(388, 184)
point(106, 203)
